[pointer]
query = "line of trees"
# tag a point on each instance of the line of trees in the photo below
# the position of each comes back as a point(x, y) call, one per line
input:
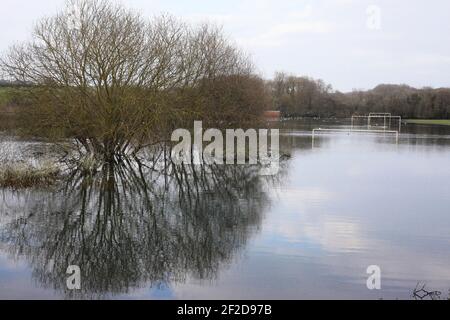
point(241, 98)
point(306, 97)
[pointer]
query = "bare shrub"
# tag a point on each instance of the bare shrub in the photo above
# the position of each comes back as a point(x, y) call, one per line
point(113, 82)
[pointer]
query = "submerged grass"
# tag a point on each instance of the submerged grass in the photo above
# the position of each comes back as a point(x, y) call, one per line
point(442, 122)
point(21, 176)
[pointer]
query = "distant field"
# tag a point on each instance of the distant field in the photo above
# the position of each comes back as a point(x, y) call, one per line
point(4, 95)
point(442, 122)
point(6, 120)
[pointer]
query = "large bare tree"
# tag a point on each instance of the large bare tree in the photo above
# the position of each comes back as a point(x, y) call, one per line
point(112, 81)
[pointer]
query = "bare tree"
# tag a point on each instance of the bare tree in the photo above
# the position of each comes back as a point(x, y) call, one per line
point(299, 96)
point(114, 82)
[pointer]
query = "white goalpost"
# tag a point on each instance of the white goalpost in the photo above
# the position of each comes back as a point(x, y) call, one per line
point(318, 130)
point(387, 122)
point(387, 117)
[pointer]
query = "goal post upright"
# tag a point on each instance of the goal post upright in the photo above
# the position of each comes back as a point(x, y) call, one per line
point(387, 119)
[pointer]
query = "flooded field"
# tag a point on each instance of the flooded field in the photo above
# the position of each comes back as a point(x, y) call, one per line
point(337, 206)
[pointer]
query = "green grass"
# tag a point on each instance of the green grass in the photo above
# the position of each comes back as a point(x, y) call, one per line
point(441, 122)
point(5, 95)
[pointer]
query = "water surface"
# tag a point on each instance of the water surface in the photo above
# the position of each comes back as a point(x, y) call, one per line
point(348, 202)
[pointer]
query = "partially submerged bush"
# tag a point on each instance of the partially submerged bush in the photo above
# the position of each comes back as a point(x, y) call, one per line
point(113, 81)
point(19, 176)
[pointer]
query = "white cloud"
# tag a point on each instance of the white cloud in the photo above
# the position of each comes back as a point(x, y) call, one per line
point(319, 38)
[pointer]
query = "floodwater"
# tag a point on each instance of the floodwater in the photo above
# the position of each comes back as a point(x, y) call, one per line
point(335, 208)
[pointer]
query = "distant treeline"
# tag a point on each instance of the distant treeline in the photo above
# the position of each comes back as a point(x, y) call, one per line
point(13, 84)
point(306, 97)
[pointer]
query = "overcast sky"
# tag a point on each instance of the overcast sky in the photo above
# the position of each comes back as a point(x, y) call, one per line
point(348, 43)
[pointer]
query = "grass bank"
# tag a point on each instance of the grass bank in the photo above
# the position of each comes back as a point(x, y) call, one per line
point(21, 176)
point(440, 122)
point(5, 95)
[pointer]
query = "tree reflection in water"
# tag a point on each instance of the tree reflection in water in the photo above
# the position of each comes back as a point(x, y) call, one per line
point(129, 226)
